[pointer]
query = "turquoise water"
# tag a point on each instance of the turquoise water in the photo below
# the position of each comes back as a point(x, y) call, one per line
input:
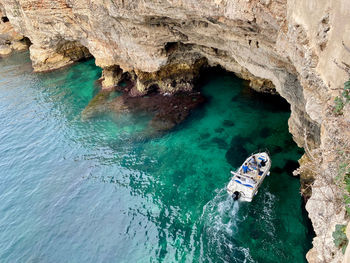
point(85, 191)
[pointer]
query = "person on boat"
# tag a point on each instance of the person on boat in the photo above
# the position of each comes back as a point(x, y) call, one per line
point(258, 171)
point(253, 161)
point(245, 168)
point(253, 164)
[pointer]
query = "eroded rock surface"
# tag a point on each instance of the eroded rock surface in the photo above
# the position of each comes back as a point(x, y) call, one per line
point(10, 40)
point(291, 46)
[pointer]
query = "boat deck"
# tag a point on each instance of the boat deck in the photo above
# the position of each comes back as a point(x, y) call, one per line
point(247, 179)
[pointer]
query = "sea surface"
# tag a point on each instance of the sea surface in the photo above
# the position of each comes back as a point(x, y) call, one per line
point(87, 191)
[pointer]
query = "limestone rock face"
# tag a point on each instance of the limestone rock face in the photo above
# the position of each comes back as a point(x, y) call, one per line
point(291, 46)
point(64, 54)
point(111, 76)
point(10, 40)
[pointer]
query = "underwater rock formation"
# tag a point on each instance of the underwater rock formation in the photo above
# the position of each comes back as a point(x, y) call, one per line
point(293, 47)
point(165, 111)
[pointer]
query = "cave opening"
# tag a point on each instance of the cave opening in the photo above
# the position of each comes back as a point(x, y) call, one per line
point(73, 50)
point(153, 89)
point(270, 100)
point(27, 41)
point(171, 47)
point(5, 19)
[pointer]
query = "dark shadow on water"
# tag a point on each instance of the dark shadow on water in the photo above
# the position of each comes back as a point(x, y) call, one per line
point(290, 166)
point(276, 170)
point(197, 114)
point(204, 136)
point(276, 149)
point(310, 230)
point(247, 95)
point(219, 130)
point(228, 123)
point(263, 101)
point(265, 132)
point(237, 152)
point(221, 143)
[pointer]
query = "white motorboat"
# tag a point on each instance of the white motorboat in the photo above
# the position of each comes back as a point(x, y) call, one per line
point(247, 179)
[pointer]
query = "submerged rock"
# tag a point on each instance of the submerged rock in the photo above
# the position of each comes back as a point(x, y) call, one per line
point(219, 130)
point(237, 153)
point(203, 136)
point(228, 123)
point(221, 143)
point(97, 106)
point(276, 149)
point(265, 132)
point(167, 110)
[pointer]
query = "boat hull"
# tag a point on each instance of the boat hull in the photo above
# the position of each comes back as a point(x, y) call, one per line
point(248, 178)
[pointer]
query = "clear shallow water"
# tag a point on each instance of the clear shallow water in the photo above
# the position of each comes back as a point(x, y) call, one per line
point(74, 191)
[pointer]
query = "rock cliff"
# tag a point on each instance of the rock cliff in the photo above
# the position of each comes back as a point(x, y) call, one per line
point(291, 46)
point(10, 40)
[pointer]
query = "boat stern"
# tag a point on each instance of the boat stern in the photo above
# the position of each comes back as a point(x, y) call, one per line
point(240, 192)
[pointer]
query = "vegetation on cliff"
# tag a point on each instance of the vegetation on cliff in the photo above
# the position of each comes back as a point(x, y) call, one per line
point(339, 236)
point(343, 99)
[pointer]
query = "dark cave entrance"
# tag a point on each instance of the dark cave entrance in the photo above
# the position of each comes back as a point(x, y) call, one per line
point(4, 19)
point(74, 50)
point(271, 100)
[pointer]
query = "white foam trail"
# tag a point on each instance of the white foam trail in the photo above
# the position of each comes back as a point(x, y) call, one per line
point(220, 212)
point(219, 220)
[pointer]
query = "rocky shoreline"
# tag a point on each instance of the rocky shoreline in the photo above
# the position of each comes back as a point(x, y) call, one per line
point(292, 47)
point(10, 40)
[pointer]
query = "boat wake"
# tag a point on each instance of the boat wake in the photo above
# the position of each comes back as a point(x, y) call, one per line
point(220, 219)
point(220, 213)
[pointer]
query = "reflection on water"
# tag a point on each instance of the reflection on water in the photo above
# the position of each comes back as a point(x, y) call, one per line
point(88, 191)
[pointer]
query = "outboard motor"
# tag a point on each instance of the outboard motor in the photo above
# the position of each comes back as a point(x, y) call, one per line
point(236, 195)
